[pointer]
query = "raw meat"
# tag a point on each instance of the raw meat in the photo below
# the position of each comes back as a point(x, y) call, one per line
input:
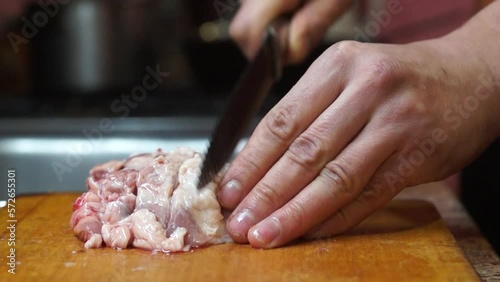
point(149, 201)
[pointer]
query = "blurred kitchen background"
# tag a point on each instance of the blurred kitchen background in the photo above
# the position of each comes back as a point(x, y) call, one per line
point(68, 69)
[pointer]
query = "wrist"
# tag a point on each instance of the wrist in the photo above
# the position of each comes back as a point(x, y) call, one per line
point(478, 44)
point(472, 71)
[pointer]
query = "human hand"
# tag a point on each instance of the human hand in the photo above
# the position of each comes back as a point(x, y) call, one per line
point(309, 23)
point(364, 122)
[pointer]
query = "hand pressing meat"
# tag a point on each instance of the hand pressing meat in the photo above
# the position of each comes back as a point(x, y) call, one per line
point(365, 121)
point(149, 201)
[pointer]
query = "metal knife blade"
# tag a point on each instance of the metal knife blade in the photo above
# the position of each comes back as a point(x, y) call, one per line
point(243, 105)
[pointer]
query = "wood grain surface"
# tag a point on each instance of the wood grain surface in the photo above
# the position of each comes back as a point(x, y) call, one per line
point(404, 241)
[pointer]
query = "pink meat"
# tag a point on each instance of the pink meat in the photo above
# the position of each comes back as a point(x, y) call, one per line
point(149, 201)
point(85, 219)
point(197, 211)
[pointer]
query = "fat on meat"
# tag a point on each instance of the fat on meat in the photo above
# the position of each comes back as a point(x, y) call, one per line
point(149, 201)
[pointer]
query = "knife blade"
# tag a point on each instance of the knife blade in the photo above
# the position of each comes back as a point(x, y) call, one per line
point(243, 105)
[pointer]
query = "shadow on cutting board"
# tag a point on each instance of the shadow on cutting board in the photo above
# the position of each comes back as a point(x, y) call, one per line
point(396, 216)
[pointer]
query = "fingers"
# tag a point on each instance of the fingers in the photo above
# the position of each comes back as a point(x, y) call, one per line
point(407, 167)
point(339, 183)
point(300, 164)
point(385, 184)
point(306, 29)
point(309, 25)
point(248, 26)
point(316, 90)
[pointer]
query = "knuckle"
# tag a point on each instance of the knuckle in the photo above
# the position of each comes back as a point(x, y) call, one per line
point(408, 115)
point(373, 190)
point(282, 124)
point(245, 163)
point(339, 57)
point(308, 151)
point(381, 70)
point(338, 179)
point(412, 106)
point(345, 50)
point(265, 195)
point(296, 212)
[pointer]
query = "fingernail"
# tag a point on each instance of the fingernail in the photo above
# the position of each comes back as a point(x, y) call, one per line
point(267, 231)
point(230, 194)
point(239, 224)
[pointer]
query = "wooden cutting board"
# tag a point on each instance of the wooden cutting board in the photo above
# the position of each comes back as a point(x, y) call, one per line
point(405, 241)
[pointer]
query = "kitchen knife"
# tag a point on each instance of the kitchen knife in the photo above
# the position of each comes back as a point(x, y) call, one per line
point(243, 104)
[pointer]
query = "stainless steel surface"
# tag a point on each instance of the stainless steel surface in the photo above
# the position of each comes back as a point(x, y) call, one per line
point(243, 105)
point(57, 154)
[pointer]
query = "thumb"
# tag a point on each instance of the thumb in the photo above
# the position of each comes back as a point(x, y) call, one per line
point(309, 25)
